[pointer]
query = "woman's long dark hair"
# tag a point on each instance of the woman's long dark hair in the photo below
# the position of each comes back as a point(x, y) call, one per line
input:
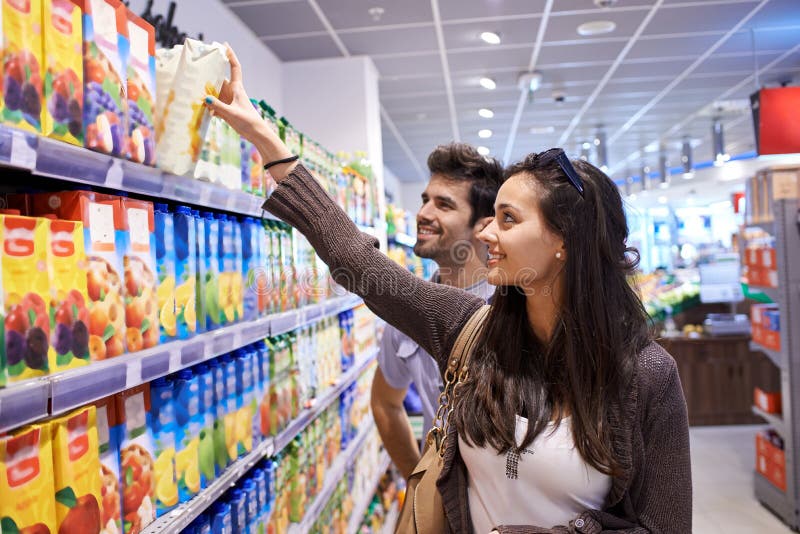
point(589, 362)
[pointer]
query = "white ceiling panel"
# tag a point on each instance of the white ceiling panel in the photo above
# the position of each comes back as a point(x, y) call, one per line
point(391, 41)
point(355, 13)
point(279, 19)
point(470, 9)
point(699, 18)
point(293, 49)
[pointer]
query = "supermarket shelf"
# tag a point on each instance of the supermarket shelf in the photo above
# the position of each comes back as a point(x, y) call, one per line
point(360, 509)
point(775, 356)
point(391, 518)
point(772, 292)
point(180, 517)
point(776, 421)
point(27, 401)
point(56, 159)
point(767, 226)
point(320, 404)
point(332, 477)
point(402, 239)
point(773, 498)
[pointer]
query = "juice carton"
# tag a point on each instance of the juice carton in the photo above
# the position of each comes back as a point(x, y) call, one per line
point(108, 433)
point(231, 406)
point(26, 295)
point(165, 266)
point(185, 271)
point(275, 280)
point(238, 510)
point(250, 257)
point(208, 167)
point(252, 169)
point(62, 116)
point(210, 270)
point(76, 463)
point(66, 263)
point(105, 65)
point(200, 72)
point(245, 401)
point(221, 518)
point(164, 432)
point(230, 270)
point(261, 281)
point(141, 75)
point(262, 359)
point(220, 407)
point(190, 424)
point(141, 300)
point(208, 410)
point(137, 463)
point(102, 222)
point(251, 504)
point(200, 270)
point(22, 64)
point(167, 60)
point(26, 480)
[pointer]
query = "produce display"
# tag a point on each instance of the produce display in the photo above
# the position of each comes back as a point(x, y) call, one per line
point(662, 294)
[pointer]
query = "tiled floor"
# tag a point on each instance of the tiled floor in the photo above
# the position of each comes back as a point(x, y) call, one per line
point(723, 460)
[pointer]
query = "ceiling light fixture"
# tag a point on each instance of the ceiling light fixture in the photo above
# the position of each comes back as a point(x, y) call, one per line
point(601, 149)
point(542, 130)
point(586, 147)
point(486, 113)
point(644, 172)
point(490, 37)
point(483, 151)
point(686, 159)
point(376, 13)
point(596, 27)
point(488, 83)
point(718, 139)
point(663, 169)
point(663, 200)
point(485, 133)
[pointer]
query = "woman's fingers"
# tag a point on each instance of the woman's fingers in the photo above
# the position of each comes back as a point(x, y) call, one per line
point(219, 108)
point(236, 67)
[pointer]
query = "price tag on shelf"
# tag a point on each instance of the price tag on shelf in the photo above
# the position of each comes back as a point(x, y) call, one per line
point(205, 195)
point(22, 154)
point(230, 202)
point(133, 374)
point(114, 174)
point(174, 360)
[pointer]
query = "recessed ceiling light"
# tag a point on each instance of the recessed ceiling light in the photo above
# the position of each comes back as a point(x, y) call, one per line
point(488, 83)
point(586, 145)
point(490, 37)
point(540, 130)
point(485, 133)
point(663, 200)
point(486, 113)
point(483, 151)
point(688, 175)
point(596, 27)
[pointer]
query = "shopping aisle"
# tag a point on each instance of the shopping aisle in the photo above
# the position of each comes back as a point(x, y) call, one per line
point(723, 461)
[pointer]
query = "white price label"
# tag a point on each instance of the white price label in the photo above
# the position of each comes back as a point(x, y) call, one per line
point(230, 203)
point(133, 374)
point(114, 175)
point(101, 223)
point(205, 195)
point(174, 360)
point(22, 155)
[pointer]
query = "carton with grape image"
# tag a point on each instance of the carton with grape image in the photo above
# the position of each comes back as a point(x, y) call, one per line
point(105, 63)
point(141, 146)
point(21, 105)
point(62, 116)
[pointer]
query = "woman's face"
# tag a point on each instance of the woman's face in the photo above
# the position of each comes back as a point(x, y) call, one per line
point(522, 250)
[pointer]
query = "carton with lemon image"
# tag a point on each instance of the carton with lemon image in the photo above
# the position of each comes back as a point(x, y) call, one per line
point(190, 425)
point(165, 267)
point(164, 432)
point(185, 272)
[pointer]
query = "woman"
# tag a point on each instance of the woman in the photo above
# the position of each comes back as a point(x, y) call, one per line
point(572, 419)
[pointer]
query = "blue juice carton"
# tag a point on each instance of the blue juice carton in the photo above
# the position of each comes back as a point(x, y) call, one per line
point(186, 241)
point(200, 269)
point(208, 470)
point(250, 264)
point(262, 365)
point(190, 423)
point(211, 273)
point(231, 304)
point(245, 401)
point(262, 499)
point(231, 407)
point(221, 521)
point(164, 433)
point(220, 403)
point(165, 267)
point(251, 505)
point(238, 511)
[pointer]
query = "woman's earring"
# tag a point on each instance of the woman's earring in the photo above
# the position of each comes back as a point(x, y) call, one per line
point(558, 255)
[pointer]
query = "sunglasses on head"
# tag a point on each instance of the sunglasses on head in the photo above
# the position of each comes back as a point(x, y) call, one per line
point(558, 154)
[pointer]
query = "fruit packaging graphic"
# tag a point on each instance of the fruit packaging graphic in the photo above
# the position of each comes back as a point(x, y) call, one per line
point(165, 267)
point(141, 146)
point(165, 430)
point(108, 434)
point(185, 239)
point(22, 64)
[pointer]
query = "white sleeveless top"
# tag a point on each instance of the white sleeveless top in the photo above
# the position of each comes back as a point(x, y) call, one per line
point(548, 484)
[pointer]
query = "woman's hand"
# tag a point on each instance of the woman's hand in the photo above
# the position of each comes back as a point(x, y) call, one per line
point(235, 108)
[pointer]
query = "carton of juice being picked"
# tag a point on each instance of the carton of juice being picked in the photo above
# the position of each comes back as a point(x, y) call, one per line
point(26, 295)
point(76, 463)
point(108, 434)
point(21, 105)
point(167, 60)
point(62, 116)
point(141, 91)
point(26, 480)
point(200, 72)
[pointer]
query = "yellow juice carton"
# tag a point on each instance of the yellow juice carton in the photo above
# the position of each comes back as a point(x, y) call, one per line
point(62, 116)
point(26, 481)
point(186, 240)
point(110, 490)
point(21, 105)
point(76, 463)
point(69, 327)
point(26, 291)
point(141, 91)
point(136, 460)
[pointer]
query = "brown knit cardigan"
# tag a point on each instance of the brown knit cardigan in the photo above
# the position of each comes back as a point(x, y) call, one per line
point(650, 430)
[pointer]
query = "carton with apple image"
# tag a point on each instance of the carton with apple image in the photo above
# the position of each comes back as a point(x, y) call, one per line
point(26, 481)
point(217, 370)
point(200, 266)
point(62, 114)
point(165, 267)
point(245, 401)
point(69, 321)
point(208, 410)
point(209, 269)
point(141, 146)
point(21, 105)
point(108, 435)
point(139, 260)
point(137, 465)
point(105, 62)
point(185, 245)
point(76, 464)
point(26, 297)
point(230, 283)
point(190, 424)
point(101, 216)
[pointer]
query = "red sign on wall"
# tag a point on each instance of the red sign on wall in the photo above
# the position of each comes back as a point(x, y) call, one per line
point(776, 118)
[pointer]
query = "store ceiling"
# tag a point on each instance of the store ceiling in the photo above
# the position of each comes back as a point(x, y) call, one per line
point(656, 78)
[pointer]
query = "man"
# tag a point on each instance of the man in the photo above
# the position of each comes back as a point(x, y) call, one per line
point(457, 204)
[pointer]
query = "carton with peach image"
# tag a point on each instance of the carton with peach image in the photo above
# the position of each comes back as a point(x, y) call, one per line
point(139, 260)
point(62, 114)
point(26, 481)
point(21, 105)
point(137, 464)
point(108, 435)
point(26, 297)
point(69, 322)
point(76, 465)
point(101, 216)
point(105, 65)
point(141, 146)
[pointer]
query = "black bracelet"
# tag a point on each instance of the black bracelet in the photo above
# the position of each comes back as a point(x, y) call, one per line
point(279, 161)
